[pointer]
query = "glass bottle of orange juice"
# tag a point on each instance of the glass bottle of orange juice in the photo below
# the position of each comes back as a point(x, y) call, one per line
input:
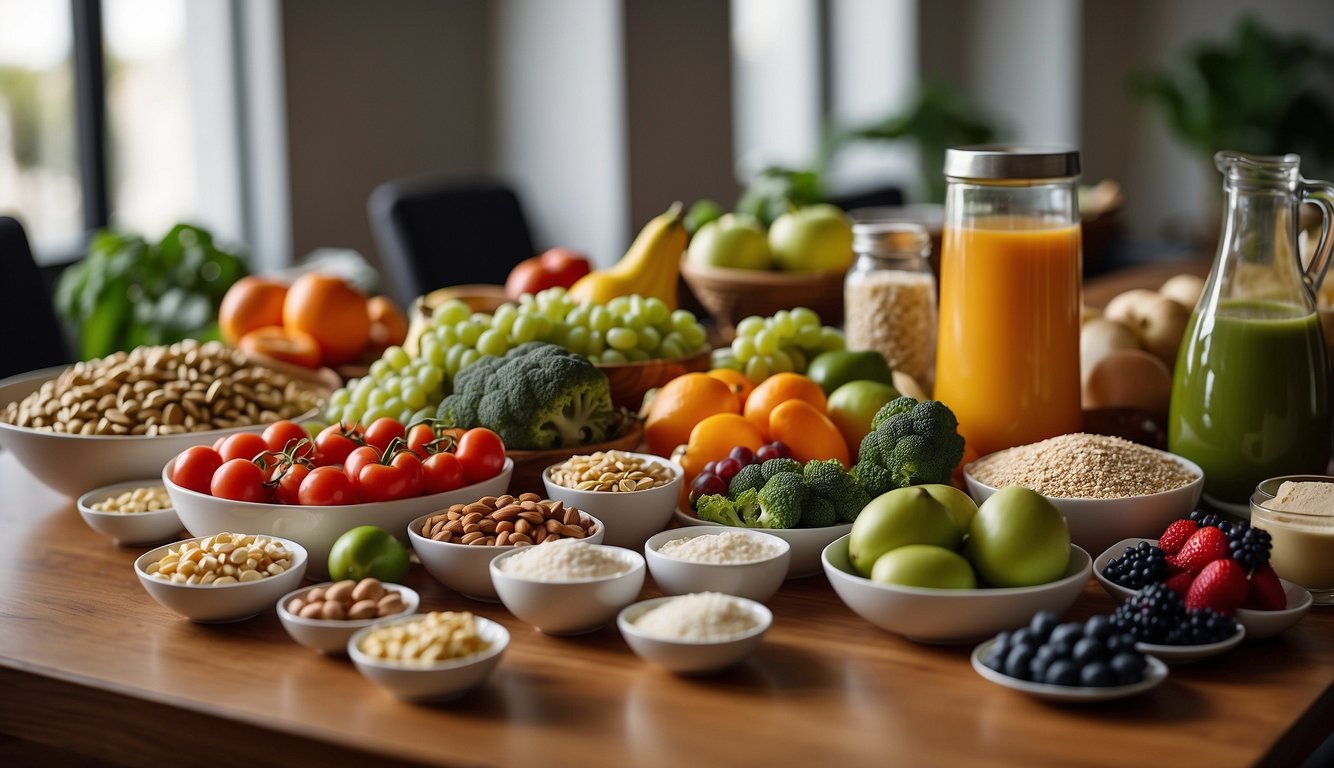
point(1007, 360)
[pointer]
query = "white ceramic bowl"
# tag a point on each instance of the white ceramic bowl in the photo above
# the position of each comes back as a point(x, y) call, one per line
point(805, 543)
point(331, 636)
point(129, 528)
point(569, 607)
point(209, 604)
point(756, 580)
point(689, 658)
point(950, 615)
point(433, 682)
point(1258, 624)
point(466, 568)
point(72, 464)
point(1096, 523)
point(631, 517)
point(317, 528)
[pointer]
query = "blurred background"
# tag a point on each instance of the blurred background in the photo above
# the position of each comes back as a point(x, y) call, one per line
point(269, 122)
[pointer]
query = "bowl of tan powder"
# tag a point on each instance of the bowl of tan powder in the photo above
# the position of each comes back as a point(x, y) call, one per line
point(694, 634)
point(568, 587)
point(1108, 488)
point(710, 558)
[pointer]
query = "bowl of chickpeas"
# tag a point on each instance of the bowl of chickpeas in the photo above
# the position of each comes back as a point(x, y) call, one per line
point(429, 657)
point(222, 578)
point(322, 617)
point(132, 513)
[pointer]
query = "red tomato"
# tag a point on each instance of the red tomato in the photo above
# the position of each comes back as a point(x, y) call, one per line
point(421, 440)
point(482, 454)
point(194, 468)
point(358, 458)
point(558, 266)
point(400, 478)
point(288, 487)
point(284, 435)
point(239, 480)
point(242, 445)
point(326, 487)
point(442, 472)
point(335, 442)
point(217, 444)
point(382, 432)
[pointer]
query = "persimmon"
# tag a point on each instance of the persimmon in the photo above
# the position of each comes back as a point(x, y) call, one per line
point(252, 302)
point(714, 437)
point(286, 344)
point(332, 312)
point(778, 389)
point(389, 326)
point(808, 432)
point(681, 404)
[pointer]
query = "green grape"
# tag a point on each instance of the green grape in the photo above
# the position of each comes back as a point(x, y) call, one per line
point(780, 362)
point(430, 376)
point(450, 313)
point(360, 398)
point(404, 416)
point(798, 358)
point(578, 316)
point(376, 398)
point(670, 350)
point(682, 319)
point(677, 338)
point(635, 323)
point(503, 319)
point(649, 339)
point(576, 339)
point(766, 342)
point(436, 357)
point(638, 356)
point(743, 348)
point(723, 358)
point(414, 397)
point(831, 339)
point(596, 343)
point(393, 405)
point(757, 369)
point(623, 339)
point(655, 311)
point(468, 357)
point(392, 386)
point(340, 397)
point(694, 336)
point(446, 335)
point(782, 324)
point(612, 356)
point(750, 326)
point(600, 319)
point(804, 317)
point(543, 326)
point(619, 305)
point(492, 342)
point(468, 331)
point(379, 369)
point(808, 337)
point(349, 415)
point(453, 359)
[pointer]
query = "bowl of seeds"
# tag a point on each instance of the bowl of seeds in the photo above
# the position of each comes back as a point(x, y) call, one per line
point(633, 494)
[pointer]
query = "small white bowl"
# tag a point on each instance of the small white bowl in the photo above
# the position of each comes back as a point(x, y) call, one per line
point(316, 528)
point(805, 544)
point(435, 682)
point(630, 516)
point(129, 528)
point(466, 568)
point(756, 580)
point(569, 607)
point(1154, 674)
point(1096, 523)
point(331, 636)
point(209, 604)
point(692, 658)
point(951, 615)
point(1184, 654)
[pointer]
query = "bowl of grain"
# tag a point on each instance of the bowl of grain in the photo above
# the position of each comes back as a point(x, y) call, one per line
point(633, 494)
point(1108, 488)
point(703, 558)
point(694, 634)
point(569, 587)
point(453, 652)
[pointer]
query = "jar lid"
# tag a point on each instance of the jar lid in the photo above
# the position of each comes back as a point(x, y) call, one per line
point(885, 237)
point(1003, 161)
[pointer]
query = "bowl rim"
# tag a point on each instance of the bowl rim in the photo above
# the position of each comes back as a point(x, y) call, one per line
point(1076, 553)
point(301, 557)
point(702, 353)
point(691, 520)
point(1198, 481)
point(1155, 674)
point(85, 501)
point(636, 560)
point(414, 536)
point(678, 475)
point(625, 622)
point(695, 531)
point(411, 599)
point(360, 658)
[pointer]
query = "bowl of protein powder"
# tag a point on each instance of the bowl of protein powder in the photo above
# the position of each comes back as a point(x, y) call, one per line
point(709, 558)
point(698, 633)
point(568, 587)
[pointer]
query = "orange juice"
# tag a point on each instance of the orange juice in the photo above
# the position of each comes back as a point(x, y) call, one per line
point(1007, 362)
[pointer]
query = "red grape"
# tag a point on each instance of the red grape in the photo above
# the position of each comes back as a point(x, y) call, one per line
point(743, 454)
point(707, 484)
point(775, 450)
point(727, 469)
point(709, 467)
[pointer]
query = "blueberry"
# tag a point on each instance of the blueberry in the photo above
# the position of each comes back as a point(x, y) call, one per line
point(1097, 674)
point(995, 658)
point(1022, 636)
point(1002, 643)
point(1037, 668)
point(1128, 667)
point(1017, 661)
point(1061, 649)
point(1089, 649)
point(1042, 624)
point(1099, 626)
point(1061, 672)
point(1069, 632)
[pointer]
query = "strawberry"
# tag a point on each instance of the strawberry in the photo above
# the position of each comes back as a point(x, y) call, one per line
point(1221, 586)
point(1266, 593)
point(1203, 547)
point(1180, 583)
point(1176, 536)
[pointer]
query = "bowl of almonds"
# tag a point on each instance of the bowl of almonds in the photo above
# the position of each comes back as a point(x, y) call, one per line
point(633, 494)
point(324, 616)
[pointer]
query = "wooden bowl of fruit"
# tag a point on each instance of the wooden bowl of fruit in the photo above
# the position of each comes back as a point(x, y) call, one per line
point(529, 465)
point(629, 381)
point(732, 294)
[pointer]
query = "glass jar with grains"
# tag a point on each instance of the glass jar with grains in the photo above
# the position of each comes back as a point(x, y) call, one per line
point(890, 297)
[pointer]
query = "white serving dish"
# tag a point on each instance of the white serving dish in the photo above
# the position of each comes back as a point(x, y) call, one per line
point(568, 607)
point(1182, 654)
point(805, 543)
point(756, 580)
point(129, 528)
point(209, 604)
point(1154, 674)
point(630, 516)
point(692, 658)
point(330, 636)
point(434, 682)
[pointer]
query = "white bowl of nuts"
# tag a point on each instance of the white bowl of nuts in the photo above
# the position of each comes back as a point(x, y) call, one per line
point(694, 634)
point(633, 494)
point(133, 513)
point(206, 580)
point(569, 587)
point(429, 657)
point(461, 560)
point(707, 558)
point(127, 414)
point(325, 616)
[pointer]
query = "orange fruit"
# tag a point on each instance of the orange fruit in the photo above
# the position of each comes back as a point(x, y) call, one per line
point(808, 432)
point(714, 437)
point(252, 302)
point(681, 404)
point(777, 389)
point(332, 312)
point(740, 384)
point(389, 326)
point(286, 344)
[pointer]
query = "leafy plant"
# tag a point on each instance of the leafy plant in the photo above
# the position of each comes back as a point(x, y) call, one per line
point(776, 191)
point(129, 292)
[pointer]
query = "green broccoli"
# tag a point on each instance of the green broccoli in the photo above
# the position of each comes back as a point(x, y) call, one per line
point(750, 477)
point(774, 466)
point(537, 397)
point(817, 512)
point(717, 508)
point(912, 444)
point(828, 480)
point(780, 501)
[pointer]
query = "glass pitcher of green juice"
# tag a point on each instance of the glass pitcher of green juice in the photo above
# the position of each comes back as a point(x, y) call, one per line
point(1250, 393)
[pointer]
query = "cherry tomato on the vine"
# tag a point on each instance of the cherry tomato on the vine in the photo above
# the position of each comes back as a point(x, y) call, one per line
point(442, 472)
point(239, 480)
point(382, 432)
point(326, 487)
point(335, 442)
point(482, 454)
point(288, 486)
point(194, 468)
point(287, 435)
point(358, 458)
point(242, 445)
point(398, 478)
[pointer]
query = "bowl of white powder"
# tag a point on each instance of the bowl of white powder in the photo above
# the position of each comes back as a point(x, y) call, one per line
point(568, 587)
point(694, 634)
point(707, 558)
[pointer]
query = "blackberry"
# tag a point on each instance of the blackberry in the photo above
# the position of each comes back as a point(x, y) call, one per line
point(1249, 546)
point(1150, 614)
point(1209, 520)
point(1201, 627)
point(1138, 567)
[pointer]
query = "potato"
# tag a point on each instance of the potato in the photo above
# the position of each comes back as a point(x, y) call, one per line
point(1124, 307)
point(1183, 289)
point(1100, 337)
point(907, 385)
point(1130, 378)
point(1160, 324)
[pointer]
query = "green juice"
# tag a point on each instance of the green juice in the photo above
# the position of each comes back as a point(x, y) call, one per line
point(1250, 396)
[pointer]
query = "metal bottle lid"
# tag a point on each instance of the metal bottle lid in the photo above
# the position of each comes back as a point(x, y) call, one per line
point(1003, 161)
point(883, 238)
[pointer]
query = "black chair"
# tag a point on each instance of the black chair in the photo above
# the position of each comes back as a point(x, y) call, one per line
point(439, 231)
point(35, 339)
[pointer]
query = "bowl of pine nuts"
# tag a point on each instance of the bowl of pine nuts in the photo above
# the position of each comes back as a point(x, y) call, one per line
point(222, 578)
point(133, 513)
point(123, 416)
point(429, 657)
point(633, 494)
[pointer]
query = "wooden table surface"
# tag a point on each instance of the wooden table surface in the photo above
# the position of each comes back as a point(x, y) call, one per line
point(88, 662)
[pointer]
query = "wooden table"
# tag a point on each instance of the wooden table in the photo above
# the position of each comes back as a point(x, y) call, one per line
point(89, 663)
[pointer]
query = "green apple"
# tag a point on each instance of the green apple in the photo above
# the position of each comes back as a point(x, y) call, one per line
point(852, 406)
point(924, 565)
point(1018, 539)
point(835, 368)
point(813, 238)
point(960, 505)
point(368, 551)
point(701, 213)
point(896, 519)
point(735, 241)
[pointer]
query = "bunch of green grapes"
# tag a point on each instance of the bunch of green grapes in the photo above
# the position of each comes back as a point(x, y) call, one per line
point(397, 385)
point(784, 342)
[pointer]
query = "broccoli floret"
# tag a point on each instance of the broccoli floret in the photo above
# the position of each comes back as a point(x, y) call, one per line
point(537, 397)
point(781, 500)
point(716, 508)
point(774, 466)
point(828, 480)
point(916, 446)
point(750, 477)
point(817, 512)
